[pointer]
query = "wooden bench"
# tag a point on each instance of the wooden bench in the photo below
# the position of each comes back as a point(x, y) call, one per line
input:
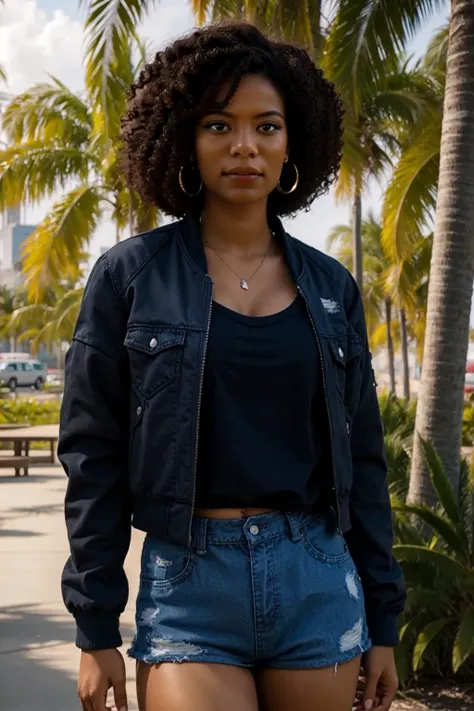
point(15, 463)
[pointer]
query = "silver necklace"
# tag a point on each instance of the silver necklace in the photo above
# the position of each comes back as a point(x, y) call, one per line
point(244, 283)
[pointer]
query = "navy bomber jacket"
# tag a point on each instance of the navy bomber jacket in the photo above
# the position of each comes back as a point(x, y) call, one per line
point(129, 420)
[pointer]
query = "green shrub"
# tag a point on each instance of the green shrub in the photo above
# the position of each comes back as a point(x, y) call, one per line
point(437, 556)
point(31, 411)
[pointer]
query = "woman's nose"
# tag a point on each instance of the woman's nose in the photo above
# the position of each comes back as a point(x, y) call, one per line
point(244, 144)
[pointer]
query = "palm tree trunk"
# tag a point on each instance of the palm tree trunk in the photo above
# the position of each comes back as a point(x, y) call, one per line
point(357, 239)
point(440, 403)
point(390, 351)
point(404, 343)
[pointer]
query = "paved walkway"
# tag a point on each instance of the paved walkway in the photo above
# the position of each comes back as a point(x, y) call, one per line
point(38, 658)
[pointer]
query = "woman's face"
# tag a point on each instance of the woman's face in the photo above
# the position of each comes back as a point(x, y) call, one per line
point(240, 150)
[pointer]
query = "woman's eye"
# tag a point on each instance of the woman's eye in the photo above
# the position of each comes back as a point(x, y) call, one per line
point(270, 127)
point(216, 126)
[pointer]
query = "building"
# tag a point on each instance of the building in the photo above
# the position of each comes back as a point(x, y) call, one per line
point(12, 235)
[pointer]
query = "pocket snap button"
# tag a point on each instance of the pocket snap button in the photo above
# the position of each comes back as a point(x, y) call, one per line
point(139, 410)
point(153, 343)
point(254, 530)
point(341, 353)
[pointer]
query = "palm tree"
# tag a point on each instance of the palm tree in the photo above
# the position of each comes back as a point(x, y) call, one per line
point(379, 306)
point(62, 141)
point(363, 46)
point(440, 403)
point(50, 322)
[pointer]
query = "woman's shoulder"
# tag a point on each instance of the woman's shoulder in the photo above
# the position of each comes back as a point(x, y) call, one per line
point(324, 264)
point(129, 256)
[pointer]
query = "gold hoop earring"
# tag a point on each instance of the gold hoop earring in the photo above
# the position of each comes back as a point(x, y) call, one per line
point(181, 185)
point(293, 187)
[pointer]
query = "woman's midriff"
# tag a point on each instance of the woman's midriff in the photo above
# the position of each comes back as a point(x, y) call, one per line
point(230, 513)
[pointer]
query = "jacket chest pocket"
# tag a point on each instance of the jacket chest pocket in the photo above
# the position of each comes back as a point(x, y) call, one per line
point(154, 354)
point(345, 351)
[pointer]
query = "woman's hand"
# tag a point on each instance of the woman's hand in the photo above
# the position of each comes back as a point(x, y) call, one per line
point(379, 682)
point(99, 670)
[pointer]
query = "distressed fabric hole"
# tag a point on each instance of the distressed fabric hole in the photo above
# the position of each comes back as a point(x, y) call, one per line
point(162, 647)
point(162, 562)
point(352, 638)
point(149, 615)
point(352, 586)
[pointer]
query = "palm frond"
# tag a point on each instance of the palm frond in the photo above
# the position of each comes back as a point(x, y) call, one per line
point(200, 10)
point(32, 171)
point(440, 481)
point(464, 642)
point(368, 35)
point(47, 113)
point(410, 198)
point(111, 27)
point(60, 239)
point(436, 559)
point(434, 61)
point(427, 637)
point(451, 535)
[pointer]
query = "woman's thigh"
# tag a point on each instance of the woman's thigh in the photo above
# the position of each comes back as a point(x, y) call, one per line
point(195, 687)
point(309, 689)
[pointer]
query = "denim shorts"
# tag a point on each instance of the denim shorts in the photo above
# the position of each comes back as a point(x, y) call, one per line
point(276, 590)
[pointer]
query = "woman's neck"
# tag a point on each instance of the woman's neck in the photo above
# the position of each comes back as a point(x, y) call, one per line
point(241, 230)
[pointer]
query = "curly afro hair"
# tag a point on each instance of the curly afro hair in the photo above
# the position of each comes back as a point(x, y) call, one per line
point(180, 86)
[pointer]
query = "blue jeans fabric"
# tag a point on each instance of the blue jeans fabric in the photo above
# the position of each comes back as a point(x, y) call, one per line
point(274, 590)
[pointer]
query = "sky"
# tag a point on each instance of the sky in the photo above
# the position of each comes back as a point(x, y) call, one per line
point(43, 37)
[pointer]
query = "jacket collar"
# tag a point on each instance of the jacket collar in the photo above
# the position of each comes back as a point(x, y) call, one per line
point(189, 229)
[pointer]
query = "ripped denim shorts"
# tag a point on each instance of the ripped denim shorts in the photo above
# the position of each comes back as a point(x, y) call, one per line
point(274, 590)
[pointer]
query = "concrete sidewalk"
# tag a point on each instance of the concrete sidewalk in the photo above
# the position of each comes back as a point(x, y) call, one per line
point(38, 658)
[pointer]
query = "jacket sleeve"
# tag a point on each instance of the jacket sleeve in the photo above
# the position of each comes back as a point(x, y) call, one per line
point(92, 449)
point(370, 539)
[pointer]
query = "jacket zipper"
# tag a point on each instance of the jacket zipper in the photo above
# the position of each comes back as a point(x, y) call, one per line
point(300, 291)
point(198, 422)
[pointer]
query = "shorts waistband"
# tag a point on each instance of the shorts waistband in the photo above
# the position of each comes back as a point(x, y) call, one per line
point(253, 529)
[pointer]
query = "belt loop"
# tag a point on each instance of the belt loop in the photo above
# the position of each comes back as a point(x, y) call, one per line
point(201, 535)
point(294, 520)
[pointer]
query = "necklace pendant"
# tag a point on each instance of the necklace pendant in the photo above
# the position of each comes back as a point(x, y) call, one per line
point(244, 285)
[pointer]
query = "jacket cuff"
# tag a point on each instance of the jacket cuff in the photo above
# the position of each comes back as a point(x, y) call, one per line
point(383, 629)
point(97, 631)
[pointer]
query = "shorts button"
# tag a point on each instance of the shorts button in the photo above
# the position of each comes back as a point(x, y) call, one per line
point(139, 410)
point(153, 343)
point(341, 353)
point(254, 530)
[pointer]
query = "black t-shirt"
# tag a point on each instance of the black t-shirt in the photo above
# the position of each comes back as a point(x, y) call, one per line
point(263, 431)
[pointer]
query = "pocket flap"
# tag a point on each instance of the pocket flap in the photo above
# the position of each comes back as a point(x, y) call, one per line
point(151, 341)
point(345, 348)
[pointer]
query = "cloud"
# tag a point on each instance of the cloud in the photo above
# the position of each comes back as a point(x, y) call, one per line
point(33, 44)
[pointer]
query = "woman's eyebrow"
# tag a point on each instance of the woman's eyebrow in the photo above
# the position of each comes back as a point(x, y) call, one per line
point(263, 114)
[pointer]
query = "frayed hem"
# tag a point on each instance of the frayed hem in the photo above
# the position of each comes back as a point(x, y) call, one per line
point(195, 659)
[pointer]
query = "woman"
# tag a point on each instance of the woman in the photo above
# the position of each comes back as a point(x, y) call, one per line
point(220, 396)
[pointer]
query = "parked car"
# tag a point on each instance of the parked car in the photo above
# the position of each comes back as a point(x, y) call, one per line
point(22, 373)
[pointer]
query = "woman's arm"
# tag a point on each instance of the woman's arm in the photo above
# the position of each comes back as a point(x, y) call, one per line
point(93, 451)
point(370, 539)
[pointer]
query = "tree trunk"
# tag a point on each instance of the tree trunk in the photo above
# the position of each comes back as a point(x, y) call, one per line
point(404, 344)
point(357, 239)
point(390, 351)
point(440, 403)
